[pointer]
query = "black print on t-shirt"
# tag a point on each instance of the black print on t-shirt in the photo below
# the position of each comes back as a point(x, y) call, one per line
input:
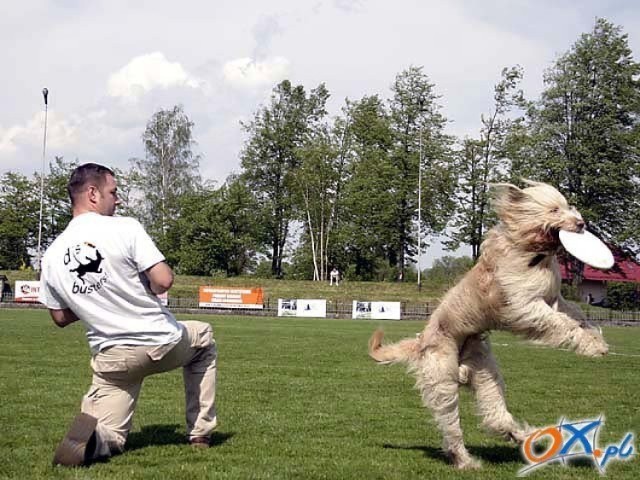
point(87, 257)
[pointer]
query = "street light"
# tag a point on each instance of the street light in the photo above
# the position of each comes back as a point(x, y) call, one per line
point(45, 94)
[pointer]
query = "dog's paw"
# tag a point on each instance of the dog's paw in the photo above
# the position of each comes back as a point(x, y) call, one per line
point(592, 344)
point(463, 374)
point(519, 436)
point(464, 461)
point(470, 463)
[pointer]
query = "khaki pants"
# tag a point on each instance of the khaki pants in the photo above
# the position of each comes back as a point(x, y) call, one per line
point(118, 373)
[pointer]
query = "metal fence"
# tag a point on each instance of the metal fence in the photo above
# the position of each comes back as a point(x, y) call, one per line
point(343, 309)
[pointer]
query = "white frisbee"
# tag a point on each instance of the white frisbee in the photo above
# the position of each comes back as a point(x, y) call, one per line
point(587, 248)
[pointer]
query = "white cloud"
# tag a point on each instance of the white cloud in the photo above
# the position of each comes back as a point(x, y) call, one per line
point(248, 73)
point(8, 138)
point(146, 72)
point(60, 132)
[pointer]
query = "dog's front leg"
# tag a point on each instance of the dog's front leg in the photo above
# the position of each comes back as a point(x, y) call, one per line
point(541, 323)
point(573, 311)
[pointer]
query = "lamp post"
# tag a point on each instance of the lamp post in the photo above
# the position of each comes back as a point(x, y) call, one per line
point(45, 94)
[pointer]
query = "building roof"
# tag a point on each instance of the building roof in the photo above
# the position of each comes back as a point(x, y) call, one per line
point(625, 269)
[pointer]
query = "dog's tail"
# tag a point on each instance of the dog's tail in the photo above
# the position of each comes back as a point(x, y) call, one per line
point(400, 352)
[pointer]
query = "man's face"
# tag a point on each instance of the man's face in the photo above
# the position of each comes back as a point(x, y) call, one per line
point(107, 197)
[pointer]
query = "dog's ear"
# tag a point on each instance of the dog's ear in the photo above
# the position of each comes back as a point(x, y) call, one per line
point(531, 183)
point(507, 193)
point(506, 199)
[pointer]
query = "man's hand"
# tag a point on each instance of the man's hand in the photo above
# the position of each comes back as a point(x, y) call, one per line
point(63, 317)
point(160, 277)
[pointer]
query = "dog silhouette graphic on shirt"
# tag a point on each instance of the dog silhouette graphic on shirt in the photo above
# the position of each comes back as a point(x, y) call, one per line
point(93, 265)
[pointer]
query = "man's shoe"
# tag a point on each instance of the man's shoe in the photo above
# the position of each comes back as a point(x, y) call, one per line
point(200, 442)
point(78, 445)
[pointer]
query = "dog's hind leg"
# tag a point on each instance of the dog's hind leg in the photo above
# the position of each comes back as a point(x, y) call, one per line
point(480, 370)
point(437, 375)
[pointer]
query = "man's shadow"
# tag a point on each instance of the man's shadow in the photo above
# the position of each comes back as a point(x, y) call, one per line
point(158, 435)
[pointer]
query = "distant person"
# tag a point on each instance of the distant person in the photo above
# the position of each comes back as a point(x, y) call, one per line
point(106, 272)
point(589, 299)
point(334, 277)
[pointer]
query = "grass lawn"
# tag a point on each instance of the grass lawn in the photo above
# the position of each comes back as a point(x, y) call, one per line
point(299, 398)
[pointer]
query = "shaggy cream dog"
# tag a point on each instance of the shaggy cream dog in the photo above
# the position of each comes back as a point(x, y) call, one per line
point(515, 286)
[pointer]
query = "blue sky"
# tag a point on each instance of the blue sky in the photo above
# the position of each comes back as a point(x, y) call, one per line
point(110, 64)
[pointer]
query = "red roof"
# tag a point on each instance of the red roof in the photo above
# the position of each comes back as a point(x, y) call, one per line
point(625, 269)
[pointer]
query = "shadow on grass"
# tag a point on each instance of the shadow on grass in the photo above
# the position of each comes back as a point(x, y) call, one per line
point(496, 454)
point(158, 435)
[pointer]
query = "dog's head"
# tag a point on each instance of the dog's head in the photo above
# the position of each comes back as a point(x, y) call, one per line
point(534, 215)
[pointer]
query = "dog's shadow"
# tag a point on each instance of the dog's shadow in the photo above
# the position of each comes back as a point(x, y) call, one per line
point(158, 435)
point(496, 454)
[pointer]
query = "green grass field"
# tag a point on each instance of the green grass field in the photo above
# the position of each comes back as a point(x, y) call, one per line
point(299, 398)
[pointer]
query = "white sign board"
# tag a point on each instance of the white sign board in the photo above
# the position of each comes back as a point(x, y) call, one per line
point(164, 298)
point(300, 307)
point(376, 310)
point(27, 291)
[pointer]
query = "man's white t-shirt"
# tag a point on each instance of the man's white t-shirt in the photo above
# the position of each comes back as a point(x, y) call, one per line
point(96, 268)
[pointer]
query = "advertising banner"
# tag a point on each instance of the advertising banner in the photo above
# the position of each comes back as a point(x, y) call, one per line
point(27, 291)
point(376, 310)
point(164, 298)
point(300, 307)
point(223, 297)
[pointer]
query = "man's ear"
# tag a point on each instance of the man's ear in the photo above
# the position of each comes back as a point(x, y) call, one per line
point(92, 193)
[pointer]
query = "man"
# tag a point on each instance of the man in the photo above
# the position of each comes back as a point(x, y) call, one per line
point(106, 272)
point(334, 276)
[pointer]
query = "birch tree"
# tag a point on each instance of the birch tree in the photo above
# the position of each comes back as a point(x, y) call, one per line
point(169, 169)
point(318, 186)
point(271, 158)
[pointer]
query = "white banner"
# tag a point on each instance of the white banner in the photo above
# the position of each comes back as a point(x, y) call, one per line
point(300, 307)
point(376, 310)
point(164, 298)
point(27, 291)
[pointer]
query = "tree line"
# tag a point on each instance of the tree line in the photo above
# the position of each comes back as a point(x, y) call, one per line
point(317, 191)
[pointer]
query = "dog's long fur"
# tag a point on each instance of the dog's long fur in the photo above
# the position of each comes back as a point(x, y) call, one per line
point(514, 286)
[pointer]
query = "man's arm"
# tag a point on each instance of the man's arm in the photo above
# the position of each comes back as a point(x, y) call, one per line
point(63, 317)
point(160, 277)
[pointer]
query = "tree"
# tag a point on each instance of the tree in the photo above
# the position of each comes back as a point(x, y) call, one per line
point(317, 191)
point(239, 214)
point(169, 169)
point(446, 271)
point(586, 132)
point(271, 158)
point(363, 234)
point(126, 180)
point(57, 211)
point(217, 231)
point(418, 126)
point(483, 161)
point(19, 212)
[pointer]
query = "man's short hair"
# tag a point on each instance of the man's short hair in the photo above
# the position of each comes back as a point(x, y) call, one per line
point(85, 175)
